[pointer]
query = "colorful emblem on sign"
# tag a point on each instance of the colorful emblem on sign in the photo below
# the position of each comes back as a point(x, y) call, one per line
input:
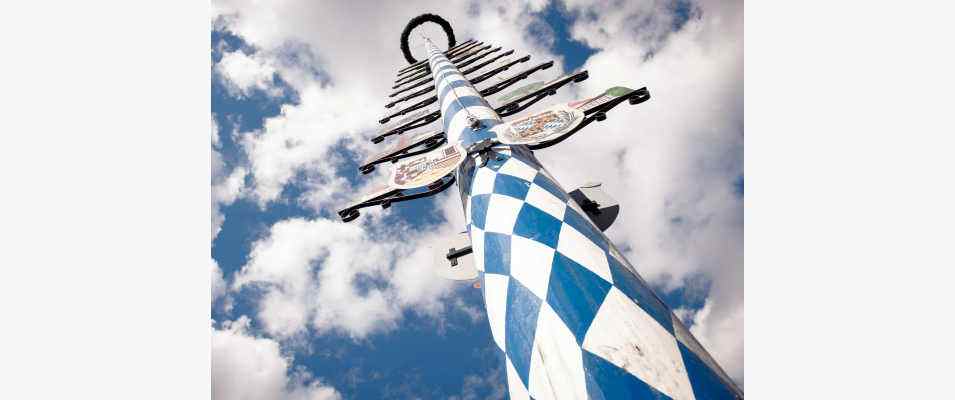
point(426, 168)
point(555, 121)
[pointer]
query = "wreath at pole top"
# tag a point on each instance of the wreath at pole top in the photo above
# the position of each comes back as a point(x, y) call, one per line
point(418, 21)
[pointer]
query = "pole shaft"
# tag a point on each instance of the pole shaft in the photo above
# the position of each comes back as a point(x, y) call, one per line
point(569, 313)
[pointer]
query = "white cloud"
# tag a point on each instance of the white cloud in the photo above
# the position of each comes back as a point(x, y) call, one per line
point(310, 270)
point(215, 132)
point(242, 74)
point(218, 283)
point(253, 368)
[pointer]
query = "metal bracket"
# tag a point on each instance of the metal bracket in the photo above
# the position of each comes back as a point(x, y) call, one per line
point(396, 196)
point(454, 254)
point(484, 149)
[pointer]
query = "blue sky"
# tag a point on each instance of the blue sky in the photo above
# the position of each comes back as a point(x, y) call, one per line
point(438, 347)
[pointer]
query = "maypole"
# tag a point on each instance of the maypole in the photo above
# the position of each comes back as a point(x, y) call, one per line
point(570, 315)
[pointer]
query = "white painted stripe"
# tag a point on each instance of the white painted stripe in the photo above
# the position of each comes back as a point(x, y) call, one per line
point(502, 213)
point(438, 64)
point(533, 266)
point(515, 386)
point(626, 336)
point(447, 75)
point(495, 298)
point(483, 183)
point(543, 200)
point(447, 81)
point(557, 367)
point(520, 169)
point(446, 112)
point(461, 92)
point(450, 97)
point(477, 236)
point(579, 248)
point(460, 121)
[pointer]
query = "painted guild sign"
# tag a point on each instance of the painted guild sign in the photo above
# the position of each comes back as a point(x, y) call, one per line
point(594, 102)
point(522, 91)
point(537, 128)
point(426, 168)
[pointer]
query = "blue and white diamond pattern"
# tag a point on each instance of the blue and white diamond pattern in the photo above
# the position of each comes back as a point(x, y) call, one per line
point(570, 315)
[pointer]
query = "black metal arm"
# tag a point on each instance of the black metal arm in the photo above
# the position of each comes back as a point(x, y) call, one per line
point(396, 196)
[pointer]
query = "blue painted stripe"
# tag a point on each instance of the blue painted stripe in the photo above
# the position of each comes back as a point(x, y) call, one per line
point(638, 291)
point(704, 381)
point(575, 293)
point(448, 87)
point(459, 105)
point(606, 381)
point(583, 225)
point(446, 67)
point(468, 137)
point(537, 225)
point(440, 77)
point(497, 253)
point(544, 182)
point(465, 179)
point(520, 327)
point(495, 164)
point(479, 209)
point(511, 186)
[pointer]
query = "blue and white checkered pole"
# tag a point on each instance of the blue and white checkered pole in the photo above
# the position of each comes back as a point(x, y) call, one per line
point(572, 318)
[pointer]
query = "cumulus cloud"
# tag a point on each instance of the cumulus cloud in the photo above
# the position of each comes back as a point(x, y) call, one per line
point(352, 278)
point(253, 368)
point(218, 283)
point(243, 74)
point(215, 132)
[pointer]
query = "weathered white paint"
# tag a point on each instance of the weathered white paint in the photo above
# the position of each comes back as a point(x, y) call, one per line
point(515, 387)
point(577, 247)
point(625, 335)
point(557, 369)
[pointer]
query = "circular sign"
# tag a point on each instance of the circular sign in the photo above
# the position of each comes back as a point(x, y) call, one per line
point(426, 168)
point(537, 128)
